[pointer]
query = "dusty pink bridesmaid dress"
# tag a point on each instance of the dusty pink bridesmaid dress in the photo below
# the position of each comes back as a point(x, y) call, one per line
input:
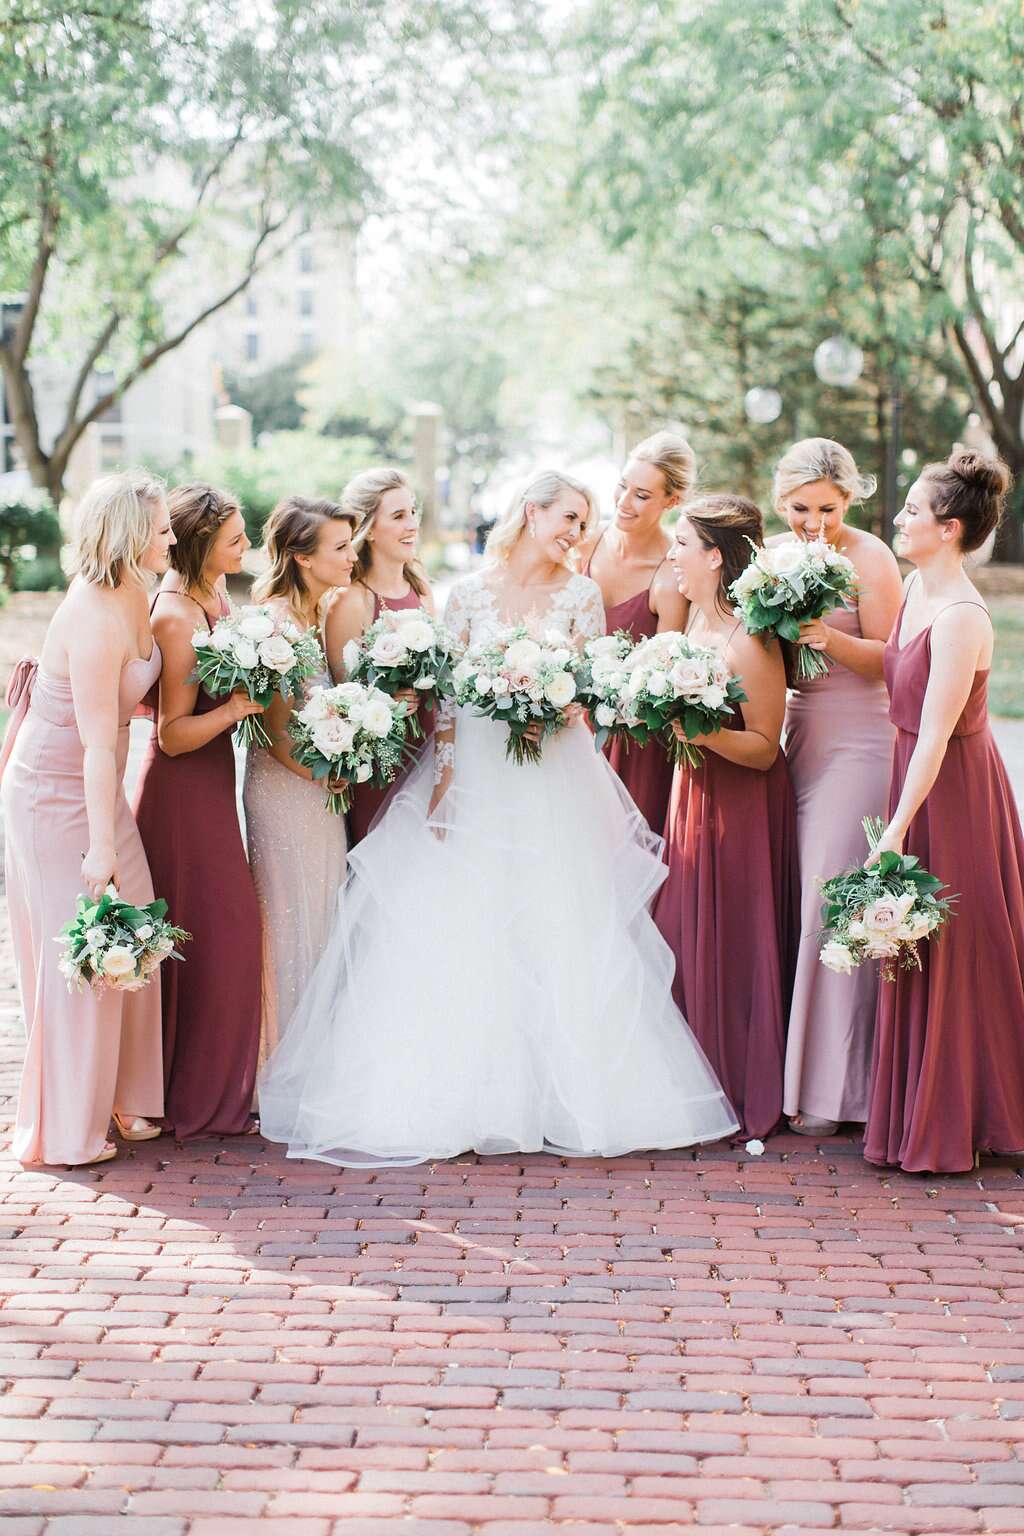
point(839, 742)
point(366, 801)
point(948, 1071)
point(646, 772)
point(729, 911)
point(87, 1053)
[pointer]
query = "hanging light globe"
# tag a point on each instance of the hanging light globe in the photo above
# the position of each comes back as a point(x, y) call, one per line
point(762, 406)
point(838, 361)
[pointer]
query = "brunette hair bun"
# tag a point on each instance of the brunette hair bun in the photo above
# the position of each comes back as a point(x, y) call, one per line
point(971, 487)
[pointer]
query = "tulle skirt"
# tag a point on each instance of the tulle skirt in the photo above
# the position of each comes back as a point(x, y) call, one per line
point(493, 980)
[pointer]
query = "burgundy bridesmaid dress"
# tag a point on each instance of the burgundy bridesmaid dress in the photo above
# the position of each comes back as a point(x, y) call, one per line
point(368, 802)
point(730, 911)
point(646, 772)
point(187, 814)
point(948, 1065)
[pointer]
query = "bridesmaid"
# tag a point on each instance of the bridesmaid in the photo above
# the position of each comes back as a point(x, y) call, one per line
point(729, 906)
point(188, 818)
point(629, 563)
point(387, 575)
point(89, 1055)
point(296, 849)
point(948, 1070)
point(839, 748)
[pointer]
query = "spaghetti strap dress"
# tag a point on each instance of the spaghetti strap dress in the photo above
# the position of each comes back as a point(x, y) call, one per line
point(948, 1067)
point(188, 818)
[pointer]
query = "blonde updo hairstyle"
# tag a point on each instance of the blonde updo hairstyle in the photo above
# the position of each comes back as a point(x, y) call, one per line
point(114, 527)
point(542, 491)
point(971, 487)
point(360, 502)
point(820, 458)
point(729, 524)
point(293, 529)
point(672, 455)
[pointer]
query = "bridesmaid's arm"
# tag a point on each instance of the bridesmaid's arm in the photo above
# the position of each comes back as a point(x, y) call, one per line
point(671, 607)
point(959, 643)
point(95, 660)
point(881, 593)
point(276, 718)
point(179, 730)
point(348, 618)
point(763, 674)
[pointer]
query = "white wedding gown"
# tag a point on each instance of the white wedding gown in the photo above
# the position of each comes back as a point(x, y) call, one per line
point(503, 988)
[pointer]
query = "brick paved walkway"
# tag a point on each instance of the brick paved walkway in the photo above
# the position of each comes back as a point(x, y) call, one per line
point(209, 1340)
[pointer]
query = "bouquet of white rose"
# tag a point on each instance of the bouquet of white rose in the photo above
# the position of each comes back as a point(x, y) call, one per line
point(790, 584)
point(258, 650)
point(404, 648)
point(601, 684)
point(521, 681)
point(881, 913)
point(111, 943)
point(350, 732)
point(661, 679)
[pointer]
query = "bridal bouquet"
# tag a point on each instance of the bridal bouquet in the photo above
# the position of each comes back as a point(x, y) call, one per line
point(881, 913)
point(602, 681)
point(664, 678)
point(522, 682)
point(404, 648)
point(787, 586)
point(259, 650)
point(350, 732)
point(111, 943)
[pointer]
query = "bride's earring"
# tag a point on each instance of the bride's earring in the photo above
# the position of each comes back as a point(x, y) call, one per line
point(533, 531)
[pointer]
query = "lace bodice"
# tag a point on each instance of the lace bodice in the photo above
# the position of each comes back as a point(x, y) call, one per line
point(474, 610)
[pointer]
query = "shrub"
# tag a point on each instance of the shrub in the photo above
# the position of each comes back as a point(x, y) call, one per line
point(30, 536)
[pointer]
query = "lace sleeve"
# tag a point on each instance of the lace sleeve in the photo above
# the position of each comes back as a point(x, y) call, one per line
point(456, 619)
point(588, 614)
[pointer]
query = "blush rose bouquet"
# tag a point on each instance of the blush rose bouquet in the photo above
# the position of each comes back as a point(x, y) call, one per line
point(350, 734)
point(521, 682)
point(790, 584)
point(112, 943)
point(257, 649)
point(404, 648)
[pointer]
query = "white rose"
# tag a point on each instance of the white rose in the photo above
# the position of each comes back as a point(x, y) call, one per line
point(604, 645)
point(315, 707)
point(348, 693)
point(291, 631)
point(377, 718)
point(747, 582)
point(277, 655)
point(838, 957)
point(246, 654)
point(118, 962)
point(425, 682)
point(163, 945)
point(418, 636)
point(604, 715)
point(882, 946)
point(350, 655)
point(220, 638)
point(658, 684)
point(500, 686)
point(521, 655)
point(561, 690)
point(484, 684)
point(786, 559)
point(560, 657)
point(636, 683)
point(918, 926)
point(856, 929)
point(363, 773)
point(255, 625)
point(886, 913)
point(462, 673)
point(143, 932)
point(388, 649)
point(333, 736)
point(712, 696)
point(688, 676)
point(96, 938)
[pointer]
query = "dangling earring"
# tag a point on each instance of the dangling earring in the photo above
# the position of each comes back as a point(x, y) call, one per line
point(533, 531)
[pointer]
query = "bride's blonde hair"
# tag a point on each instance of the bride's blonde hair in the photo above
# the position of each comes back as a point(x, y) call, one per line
point(542, 491)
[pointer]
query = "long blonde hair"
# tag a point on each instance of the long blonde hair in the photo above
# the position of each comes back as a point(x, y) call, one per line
point(542, 491)
point(293, 528)
point(114, 527)
point(360, 501)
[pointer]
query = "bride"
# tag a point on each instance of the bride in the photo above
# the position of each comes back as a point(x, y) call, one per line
point(493, 981)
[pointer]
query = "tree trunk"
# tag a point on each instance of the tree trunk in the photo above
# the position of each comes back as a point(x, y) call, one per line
point(1009, 548)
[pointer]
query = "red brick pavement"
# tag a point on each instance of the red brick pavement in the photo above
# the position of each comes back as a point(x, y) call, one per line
point(210, 1340)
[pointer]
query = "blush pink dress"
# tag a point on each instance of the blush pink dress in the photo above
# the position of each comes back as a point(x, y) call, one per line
point(87, 1053)
point(367, 803)
point(948, 1069)
point(729, 910)
point(839, 742)
point(646, 772)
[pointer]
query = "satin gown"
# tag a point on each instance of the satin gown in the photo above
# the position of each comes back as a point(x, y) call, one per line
point(646, 771)
point(87, 1053)
point(188, 818)
point(729, 910)
point(297, 857)
point(839, 743)
point(948, 1068)
point(367, 802)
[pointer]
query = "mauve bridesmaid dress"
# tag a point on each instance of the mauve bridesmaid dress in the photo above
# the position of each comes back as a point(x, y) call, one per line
point(646, 772)
point(367, 802)
point(948, 1069)
point(839, 743)
point(729, 910)
point(187, 815)
point(88, 1053)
